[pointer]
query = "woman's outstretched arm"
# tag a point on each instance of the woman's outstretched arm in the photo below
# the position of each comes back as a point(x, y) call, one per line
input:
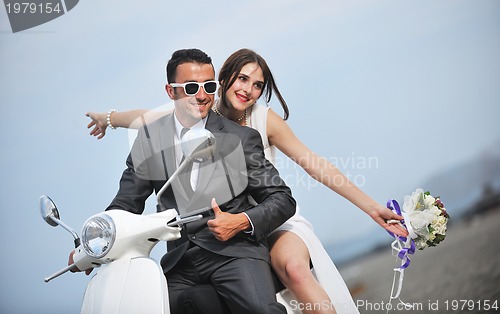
point(320, 169)
point(126, 119)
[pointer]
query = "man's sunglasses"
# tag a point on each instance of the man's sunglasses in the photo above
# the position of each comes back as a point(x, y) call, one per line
point(192, 88)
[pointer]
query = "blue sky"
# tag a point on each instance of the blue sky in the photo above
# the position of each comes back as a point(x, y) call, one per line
point(392, 91)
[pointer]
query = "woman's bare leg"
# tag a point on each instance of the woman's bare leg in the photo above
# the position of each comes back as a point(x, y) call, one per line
point(290, 260)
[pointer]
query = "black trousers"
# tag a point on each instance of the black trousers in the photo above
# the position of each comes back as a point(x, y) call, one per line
point(245, 284)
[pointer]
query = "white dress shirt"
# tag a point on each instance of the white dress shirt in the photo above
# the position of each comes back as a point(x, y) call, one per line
point(178, 150)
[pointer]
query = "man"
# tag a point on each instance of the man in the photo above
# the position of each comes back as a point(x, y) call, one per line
point(229, 249)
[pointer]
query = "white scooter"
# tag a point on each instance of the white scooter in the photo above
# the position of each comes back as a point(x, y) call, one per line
point(119, 244)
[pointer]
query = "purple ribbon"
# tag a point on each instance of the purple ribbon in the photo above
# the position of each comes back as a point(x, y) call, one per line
point(405, 251)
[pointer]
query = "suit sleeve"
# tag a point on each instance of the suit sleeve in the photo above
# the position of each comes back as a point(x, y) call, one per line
point(275, 202)
point(135, 186)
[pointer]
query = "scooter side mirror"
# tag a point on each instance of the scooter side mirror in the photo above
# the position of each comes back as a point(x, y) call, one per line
point(48, 209)
point(198, 144)
point(50, 214)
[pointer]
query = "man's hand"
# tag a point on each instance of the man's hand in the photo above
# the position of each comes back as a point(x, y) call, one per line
point(75, 269)
point(226, 225)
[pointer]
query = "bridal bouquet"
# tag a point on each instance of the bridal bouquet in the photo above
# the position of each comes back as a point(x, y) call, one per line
point(426, 218)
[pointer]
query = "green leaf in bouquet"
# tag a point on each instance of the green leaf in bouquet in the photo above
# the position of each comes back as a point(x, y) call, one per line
point(439, 238)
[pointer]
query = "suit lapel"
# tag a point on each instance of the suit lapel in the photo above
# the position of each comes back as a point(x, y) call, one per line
point(167, 143)
point(168, 150)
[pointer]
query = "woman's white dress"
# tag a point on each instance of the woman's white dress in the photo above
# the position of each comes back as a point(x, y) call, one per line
point(323, 268)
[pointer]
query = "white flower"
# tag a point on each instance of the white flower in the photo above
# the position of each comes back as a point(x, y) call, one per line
point(424, 218)
point(432, 236)
point(437, 211)
point(439, 225)
point(411, 202)
point(429, 201)
point(420, 243)
point(420, 221)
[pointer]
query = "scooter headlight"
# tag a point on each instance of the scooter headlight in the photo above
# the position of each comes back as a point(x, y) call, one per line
point(98, 235)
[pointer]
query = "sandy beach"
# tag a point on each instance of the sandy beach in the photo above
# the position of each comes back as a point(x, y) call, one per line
point(460, 275)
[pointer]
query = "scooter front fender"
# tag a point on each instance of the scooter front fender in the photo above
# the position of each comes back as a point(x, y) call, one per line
point(135, 285)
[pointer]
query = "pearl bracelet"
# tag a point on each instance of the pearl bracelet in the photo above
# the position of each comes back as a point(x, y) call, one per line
point(108, 119)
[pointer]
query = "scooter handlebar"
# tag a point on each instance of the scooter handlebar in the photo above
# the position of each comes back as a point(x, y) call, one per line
point(181, 221)
point(59, 273)
point(81, 261)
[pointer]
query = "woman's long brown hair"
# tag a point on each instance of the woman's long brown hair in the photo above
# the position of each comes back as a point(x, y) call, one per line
point(231, 69)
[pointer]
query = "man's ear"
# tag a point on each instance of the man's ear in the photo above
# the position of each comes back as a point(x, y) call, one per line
point(170, 91)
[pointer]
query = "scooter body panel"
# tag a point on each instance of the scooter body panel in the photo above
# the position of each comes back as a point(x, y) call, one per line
point(125, 286)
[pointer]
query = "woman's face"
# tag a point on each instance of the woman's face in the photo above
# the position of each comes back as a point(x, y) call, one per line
point(247, 88)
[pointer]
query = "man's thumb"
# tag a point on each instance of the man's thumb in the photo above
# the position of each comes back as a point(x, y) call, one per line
point(216, 207)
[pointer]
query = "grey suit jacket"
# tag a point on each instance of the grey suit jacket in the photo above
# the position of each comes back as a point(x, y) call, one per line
point(238, 169)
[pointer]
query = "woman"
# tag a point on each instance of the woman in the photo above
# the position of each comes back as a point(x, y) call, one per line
point(244, 77)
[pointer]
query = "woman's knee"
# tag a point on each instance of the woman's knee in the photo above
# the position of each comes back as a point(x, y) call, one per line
point(290, 259)
point(296, 272)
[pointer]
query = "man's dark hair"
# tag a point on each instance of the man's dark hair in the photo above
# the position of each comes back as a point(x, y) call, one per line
point(184, 56)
